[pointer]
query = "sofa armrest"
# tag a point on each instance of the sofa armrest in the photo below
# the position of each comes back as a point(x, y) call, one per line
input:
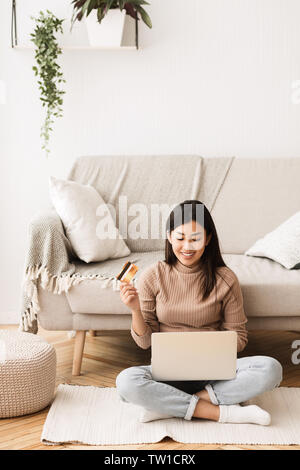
point(47, 263)
point(46, 228)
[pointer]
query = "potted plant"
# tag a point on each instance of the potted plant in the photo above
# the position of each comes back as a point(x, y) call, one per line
point(48, 70)
point(111, 15)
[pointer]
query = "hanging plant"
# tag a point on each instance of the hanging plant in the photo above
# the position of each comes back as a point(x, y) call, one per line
point(133, 8)
point(48, 70)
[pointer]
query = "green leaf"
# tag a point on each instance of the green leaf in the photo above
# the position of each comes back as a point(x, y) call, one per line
point(108, 6)
point(85, 7)
point(100, 14)
point(92, 5)
point(145, 16)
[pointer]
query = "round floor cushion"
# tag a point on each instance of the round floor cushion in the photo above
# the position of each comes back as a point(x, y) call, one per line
point(27, 373)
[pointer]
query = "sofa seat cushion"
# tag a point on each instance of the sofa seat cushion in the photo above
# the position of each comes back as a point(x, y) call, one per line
point(268, 288)
point(92, 295)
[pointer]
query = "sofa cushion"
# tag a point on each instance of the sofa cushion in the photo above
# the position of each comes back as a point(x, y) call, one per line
point(143, 189)
point(281, 245)
point(142, 181)
point(91, 295)
point(257, 196)
point(269, 290)
point(78, 205)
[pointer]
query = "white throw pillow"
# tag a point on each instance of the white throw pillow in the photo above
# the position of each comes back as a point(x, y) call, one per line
point(282, 244)
point(76, 205)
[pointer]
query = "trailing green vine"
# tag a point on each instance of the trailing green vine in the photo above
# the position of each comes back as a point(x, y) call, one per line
point(48, 70)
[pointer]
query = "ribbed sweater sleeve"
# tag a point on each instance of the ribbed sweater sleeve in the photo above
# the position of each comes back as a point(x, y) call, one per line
point(234, 317)
point(147, 290)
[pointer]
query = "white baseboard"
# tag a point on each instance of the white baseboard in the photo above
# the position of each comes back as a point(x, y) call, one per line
point(9, 318)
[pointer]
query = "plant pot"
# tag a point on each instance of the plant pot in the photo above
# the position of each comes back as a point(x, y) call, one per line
point(107, 33)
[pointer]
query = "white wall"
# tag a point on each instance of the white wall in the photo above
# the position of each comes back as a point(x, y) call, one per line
point(213, 77)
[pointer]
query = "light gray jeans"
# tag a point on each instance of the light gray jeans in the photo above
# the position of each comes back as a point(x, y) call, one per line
point(254, 375)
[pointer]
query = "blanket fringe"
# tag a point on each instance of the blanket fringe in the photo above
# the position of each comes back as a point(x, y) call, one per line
point(56, 284)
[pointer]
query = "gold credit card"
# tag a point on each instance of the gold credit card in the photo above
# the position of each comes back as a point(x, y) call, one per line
point(127, 272)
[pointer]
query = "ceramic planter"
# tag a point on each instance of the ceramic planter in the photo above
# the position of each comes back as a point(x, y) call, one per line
point(109, 32)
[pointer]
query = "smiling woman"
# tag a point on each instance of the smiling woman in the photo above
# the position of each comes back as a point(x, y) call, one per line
point(192, 240)
point(193, 290)
point(187, 245)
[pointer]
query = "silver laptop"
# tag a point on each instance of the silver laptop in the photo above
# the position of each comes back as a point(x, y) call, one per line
point(194, 355)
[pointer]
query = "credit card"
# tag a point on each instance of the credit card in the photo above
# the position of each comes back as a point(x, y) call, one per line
point(127, 272)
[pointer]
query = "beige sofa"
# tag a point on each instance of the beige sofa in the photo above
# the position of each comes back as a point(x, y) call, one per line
point(258, 194)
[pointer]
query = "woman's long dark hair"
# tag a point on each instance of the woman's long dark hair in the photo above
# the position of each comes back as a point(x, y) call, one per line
point(183, 213)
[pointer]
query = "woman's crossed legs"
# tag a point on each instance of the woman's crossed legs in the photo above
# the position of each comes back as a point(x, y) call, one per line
point(204, 399)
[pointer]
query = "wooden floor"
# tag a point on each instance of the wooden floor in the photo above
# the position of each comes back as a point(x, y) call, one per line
point(110, 352)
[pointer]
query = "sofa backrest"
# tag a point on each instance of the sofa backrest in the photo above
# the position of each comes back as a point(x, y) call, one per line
point(257, 195)
point(145, 180)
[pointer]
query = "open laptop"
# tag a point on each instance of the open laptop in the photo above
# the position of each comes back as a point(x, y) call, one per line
point(194, 355)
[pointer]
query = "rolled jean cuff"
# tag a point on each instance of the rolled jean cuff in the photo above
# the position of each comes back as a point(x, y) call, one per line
point(191, 408)
point(211, 394)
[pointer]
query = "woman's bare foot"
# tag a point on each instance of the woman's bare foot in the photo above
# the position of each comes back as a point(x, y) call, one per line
point(206, 410)
point(203, 394)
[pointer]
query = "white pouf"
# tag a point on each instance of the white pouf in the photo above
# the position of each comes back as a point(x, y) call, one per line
point(27, 373)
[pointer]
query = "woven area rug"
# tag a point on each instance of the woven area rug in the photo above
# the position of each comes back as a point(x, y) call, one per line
point(97, 416)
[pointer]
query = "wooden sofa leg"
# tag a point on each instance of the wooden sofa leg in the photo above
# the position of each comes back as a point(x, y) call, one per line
point(78, 352)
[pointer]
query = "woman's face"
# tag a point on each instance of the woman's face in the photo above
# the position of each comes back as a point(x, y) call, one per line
point(188, 242)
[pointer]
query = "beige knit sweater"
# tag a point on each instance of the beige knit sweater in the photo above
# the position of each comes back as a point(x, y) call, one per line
point(171, 300)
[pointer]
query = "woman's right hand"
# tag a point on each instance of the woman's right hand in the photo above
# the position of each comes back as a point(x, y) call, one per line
point(129, 296)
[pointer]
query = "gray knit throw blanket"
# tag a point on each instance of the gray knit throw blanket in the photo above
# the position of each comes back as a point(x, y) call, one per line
point(48, 263)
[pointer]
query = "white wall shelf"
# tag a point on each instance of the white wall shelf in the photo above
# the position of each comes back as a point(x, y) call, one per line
point(83, 48)
point(22, 26)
